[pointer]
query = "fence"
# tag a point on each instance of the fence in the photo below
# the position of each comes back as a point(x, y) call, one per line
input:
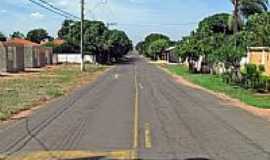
point(72, 58)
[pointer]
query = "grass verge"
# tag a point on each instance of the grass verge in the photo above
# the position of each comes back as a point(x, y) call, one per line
point(18, 93)
point(215, 83)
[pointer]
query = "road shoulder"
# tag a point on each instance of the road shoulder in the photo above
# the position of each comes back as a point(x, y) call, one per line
point(263, 113)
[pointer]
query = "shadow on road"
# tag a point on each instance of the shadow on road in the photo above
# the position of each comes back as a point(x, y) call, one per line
point(90, 158)
point(104, 158)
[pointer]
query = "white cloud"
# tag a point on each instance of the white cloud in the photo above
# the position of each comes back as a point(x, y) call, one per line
point(37, 15)
point(3, 11)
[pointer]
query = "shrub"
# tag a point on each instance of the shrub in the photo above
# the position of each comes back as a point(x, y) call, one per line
point(251, 77)
point(261, 68)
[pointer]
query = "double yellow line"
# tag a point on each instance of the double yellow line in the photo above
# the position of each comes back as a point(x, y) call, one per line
point(147, 133)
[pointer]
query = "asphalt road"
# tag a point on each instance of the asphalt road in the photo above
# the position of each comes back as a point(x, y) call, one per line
point(138, 107)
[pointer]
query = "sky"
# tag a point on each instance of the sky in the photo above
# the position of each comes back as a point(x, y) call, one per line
point(138, 18)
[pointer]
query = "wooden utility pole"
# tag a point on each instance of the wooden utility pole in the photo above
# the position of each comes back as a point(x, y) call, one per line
point(82, 35)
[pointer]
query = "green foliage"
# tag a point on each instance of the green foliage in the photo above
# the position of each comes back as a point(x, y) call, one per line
point(139, 47)
point(214, 41)
point(259, 26)
point(217, 23)
point(17, 35)
point(261, 68)
point(98, 39)
point(66, 32)
point(2, 37)
point(67, 47)
point(188, 48)
point(117, 43)
point(149, 40)
point(242, 9)
point(251, 7)
point(37, 35)
point(216, 83)
point(157, 47)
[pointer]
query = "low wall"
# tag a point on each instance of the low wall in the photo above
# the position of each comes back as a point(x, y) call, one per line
point(72, 58)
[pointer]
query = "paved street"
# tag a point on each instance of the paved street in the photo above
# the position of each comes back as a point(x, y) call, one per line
point(136, 106)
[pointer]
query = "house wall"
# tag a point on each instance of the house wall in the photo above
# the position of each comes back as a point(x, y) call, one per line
point(35, 56)
point(48, 55)
point(41, 56)
point(19, 58)
point(260, 57)
point(3, 61)
point(11, 58)
point(29, 57)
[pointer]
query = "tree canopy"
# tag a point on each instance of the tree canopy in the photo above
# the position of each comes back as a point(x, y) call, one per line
point(244, 9)
point(37, 35)
point(144, 46)
point(217, 23)
point(17, 34)
point(2, 37)
point(98, 39)
point(157, 47)
point(259, 26)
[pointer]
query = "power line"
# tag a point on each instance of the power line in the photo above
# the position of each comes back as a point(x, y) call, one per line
point(54, 10)
point(140, 24)
point(58, 9)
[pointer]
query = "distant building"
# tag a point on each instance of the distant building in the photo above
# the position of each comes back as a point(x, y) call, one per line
point(11, 57)
point(169, 55)
point(259, 56)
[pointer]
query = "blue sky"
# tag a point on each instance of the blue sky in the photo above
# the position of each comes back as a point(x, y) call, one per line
point(176, 18)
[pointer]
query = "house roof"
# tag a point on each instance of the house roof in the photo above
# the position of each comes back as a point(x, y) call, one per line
point(55, 42)
point(170, 49)
point(21, 42)
point(58, 42)
point(258, 48)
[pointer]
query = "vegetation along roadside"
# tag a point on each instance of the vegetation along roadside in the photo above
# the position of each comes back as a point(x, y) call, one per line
point(23, 92)
point(217, 83)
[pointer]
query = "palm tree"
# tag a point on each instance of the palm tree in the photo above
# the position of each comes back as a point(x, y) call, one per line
point(245, 8)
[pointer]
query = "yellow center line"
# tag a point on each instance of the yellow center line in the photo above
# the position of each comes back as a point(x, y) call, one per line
point(136, 113)
point(121, 154)
point(148, 136)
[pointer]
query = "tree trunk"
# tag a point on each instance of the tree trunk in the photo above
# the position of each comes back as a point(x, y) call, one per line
point(236, 16)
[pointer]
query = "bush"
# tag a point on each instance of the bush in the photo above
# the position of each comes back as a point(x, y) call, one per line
point(67, 47)
point(251, 78)
point(261, 68)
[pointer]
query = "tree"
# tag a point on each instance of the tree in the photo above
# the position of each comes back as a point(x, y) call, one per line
point(66, 47)
point(2, 37)
point(139, 47)
point(157, 47)
point(217, 23)
point(99, 40)
point(37, 35)
point(94, 36)
point(258, 26)
point(66, 31)
point(150, 39)
point(117, 43)
point(17, 35)
point(245, 8)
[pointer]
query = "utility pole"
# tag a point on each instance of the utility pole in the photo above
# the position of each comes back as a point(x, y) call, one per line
point(82, 35)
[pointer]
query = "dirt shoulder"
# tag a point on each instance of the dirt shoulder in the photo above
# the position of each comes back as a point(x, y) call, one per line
point(24, 92)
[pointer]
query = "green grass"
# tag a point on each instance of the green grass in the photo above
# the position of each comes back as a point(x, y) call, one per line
point(21, 93)
point(215, 83)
